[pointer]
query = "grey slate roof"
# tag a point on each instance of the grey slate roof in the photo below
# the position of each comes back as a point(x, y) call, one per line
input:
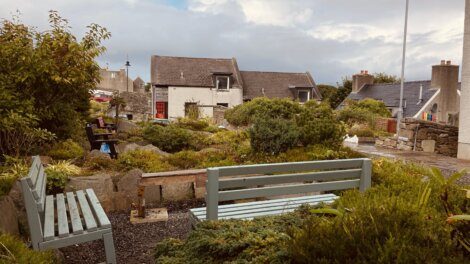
point(390, 95)
point(275, 84)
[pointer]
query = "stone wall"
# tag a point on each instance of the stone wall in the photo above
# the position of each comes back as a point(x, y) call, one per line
point(421, 135)
point(138, 104)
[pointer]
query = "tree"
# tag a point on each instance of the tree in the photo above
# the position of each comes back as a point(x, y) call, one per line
point(48, 75)
point(382, 77)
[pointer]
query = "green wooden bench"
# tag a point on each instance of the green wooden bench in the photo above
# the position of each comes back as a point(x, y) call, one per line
point(234, 183)
point(64, 219)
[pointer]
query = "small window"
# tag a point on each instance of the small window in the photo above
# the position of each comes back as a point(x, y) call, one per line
point(303, 96)
point(222, 82)
point(223, 104)
point(113, 75)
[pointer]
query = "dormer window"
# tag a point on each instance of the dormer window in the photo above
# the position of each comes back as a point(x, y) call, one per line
point(303, 96)
point(222, 82)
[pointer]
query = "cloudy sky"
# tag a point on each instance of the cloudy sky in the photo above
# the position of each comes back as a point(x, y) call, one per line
point(329, 38)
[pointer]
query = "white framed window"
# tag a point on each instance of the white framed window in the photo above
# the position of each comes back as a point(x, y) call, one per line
point(222, 82)
point(113, 75)
point(303, 96)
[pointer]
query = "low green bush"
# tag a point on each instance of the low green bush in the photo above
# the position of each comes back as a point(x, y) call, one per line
point(12, 169)
point(361, 132)
point(272, 136)
point(246, 113)
point(99, 163)
point(146, 160)
point(58, 174)
point(13, 250)
point(193, 124)
point(170, 138)
point(185, 159)
point(66, 150)
point(363, 112)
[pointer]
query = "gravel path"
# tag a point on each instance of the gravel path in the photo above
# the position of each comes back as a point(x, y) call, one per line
point(135, 243)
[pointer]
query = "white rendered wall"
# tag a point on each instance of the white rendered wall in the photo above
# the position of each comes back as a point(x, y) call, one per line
point(464, 121)
point(178, 96)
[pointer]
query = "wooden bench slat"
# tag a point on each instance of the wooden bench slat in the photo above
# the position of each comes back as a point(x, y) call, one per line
point(62, 222)
point(284, 190)
point(49, 218)
point(86, 211)
point(98, 209)
point(77, 226)
point(33, 172)
point(289, 178)
point(41, 179)
point(42, 194)
point(267, 204)
point(289, 167)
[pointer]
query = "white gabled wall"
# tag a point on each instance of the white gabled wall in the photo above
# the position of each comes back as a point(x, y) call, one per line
point(178, 96)
point(464, 122)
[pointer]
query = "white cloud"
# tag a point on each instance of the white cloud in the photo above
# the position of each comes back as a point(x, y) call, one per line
point(344, 32)
point(275, 13)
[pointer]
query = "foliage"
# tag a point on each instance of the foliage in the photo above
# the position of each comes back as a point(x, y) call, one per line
point(361, 131)
point(317, 125)
point(66, 150)
point(365, 111)
point(193, 124)
point(170, 138)
point(184, 160)
point(13, 250)
point(12, 169)
point(47, 75)
point(58, 175)
point(146, 160)
point(272, 136)
point(118, 103)
point(98, 108)
point(382, 77)
point(99, 162)
point(245, 114)
point(19, 134)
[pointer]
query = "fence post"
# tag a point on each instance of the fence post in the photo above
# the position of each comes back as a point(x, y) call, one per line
point(366, 175)
point(212, 198)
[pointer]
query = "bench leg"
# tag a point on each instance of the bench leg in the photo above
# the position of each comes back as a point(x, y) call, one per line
point(109, 248)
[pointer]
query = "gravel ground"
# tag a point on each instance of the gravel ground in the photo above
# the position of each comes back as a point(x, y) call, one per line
point(135, 243)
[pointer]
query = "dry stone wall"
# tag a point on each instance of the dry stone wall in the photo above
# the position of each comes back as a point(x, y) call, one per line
point(421, 135)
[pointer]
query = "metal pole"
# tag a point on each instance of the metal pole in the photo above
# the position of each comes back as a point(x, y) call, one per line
point(400, 107)
point(127, 78)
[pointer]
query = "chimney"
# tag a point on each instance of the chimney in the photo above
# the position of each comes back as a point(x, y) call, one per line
point(361, 79)
point(445, 77)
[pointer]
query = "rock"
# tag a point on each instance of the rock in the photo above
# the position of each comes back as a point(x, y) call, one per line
point(177, 191)
point(199, 192)
point(121, 201)
point(133, 146)
point(152, 194)
point(9, 219)
point(17, 197)
point(45, 160)
point(98, 154)
point(126, 126)
point(428, 145)
point(129, 184)
point(102, 184)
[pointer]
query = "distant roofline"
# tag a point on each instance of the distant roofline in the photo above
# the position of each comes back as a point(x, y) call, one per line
point(183, 57)
point(276, 72)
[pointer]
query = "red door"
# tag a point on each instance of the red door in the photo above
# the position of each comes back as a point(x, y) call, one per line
point(161, 110)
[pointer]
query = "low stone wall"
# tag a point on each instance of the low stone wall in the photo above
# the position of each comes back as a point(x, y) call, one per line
point(421, 135)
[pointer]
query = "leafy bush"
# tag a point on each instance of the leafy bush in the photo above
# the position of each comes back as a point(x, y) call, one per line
point(185, 159)
point(245, 114)
point(317, 125)
point(193, 124)
point(12, 170)
point(363, 112)
point(66, 150)
point(361, 131)
point(146, 160)
point(100, 162)
point(13, 250)
point(58, 175)
point(170, 138)
point(273, 136)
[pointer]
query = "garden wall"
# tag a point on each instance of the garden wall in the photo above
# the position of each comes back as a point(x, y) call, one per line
point(421, 135)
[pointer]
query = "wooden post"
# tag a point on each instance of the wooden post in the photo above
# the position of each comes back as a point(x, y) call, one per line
point(212, 197)
point(141, 199)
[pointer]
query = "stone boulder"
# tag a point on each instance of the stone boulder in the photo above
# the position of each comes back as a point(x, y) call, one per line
point(9, 219)
point(102, 184)
point(129, 184)
point(126, 126)
point(123, 148)
point(98, 154)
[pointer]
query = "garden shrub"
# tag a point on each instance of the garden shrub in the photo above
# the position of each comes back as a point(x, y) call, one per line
point(317, 125)
point(170, 138)
point(13, 250)
point(361, 131)
point(66, 150)
point(58, 175)
point(363, 112)
point(246, 113)
point(12, 169)
point(212, 157)
point(99, 162)
point(193, 124)
point(184, 160)
point(272, 136)
point(146, 160)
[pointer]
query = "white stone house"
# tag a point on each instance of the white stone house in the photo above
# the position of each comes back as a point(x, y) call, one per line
point(179, 82)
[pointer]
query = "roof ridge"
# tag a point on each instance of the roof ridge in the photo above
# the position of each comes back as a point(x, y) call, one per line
point(304, 73)
point(418, 81)
point(196, 58)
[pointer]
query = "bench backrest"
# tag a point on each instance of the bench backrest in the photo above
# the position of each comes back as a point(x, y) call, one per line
point(100, 122)
point(34, 195)
point(89, 133)
point(289, 178)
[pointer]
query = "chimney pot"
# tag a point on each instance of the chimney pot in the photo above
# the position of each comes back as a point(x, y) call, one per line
point(366, 72)
point(443, 62)
point(362, 71)
point(449, 62)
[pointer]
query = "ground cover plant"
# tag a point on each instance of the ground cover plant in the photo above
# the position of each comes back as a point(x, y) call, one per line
point(13, 250)
point(401, 219)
